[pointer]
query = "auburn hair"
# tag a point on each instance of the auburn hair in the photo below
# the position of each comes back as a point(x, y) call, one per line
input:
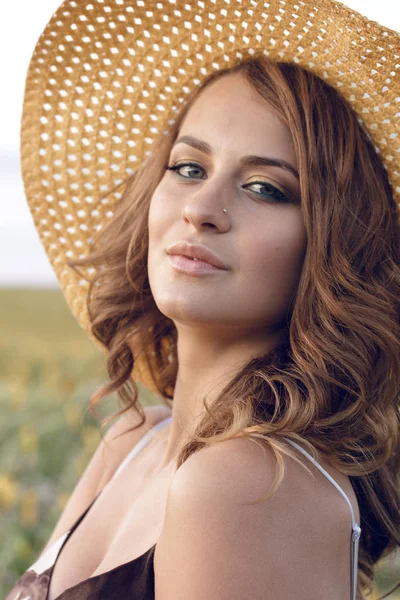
point(334, 384)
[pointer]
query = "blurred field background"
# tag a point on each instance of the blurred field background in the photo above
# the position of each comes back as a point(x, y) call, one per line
point(48, 371)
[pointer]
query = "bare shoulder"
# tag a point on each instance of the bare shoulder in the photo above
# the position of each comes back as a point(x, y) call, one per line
point(216, 542)
point(108, 455)
point(119, 440)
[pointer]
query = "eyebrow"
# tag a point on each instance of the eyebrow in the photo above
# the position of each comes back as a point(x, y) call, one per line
point(249, 160)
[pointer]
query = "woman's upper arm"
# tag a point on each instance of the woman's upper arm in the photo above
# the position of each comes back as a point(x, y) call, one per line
point(104, 462)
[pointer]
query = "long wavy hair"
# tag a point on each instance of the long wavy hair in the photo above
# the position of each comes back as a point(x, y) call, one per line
point(334, 384)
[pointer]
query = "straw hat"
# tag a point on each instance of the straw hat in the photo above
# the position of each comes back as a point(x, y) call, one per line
point(107, 77)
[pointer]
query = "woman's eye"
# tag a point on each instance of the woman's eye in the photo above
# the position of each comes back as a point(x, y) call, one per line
point(179, 166)
point(271, 191)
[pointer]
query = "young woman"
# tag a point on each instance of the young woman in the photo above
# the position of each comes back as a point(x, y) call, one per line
point(250, 277)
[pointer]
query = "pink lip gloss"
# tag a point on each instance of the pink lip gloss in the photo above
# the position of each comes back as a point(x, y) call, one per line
point(194, 267)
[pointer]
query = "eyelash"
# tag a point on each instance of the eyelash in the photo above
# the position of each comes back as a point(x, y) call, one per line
point(275, 192)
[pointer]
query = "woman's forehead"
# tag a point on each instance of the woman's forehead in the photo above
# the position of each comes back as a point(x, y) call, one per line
point(228, 118)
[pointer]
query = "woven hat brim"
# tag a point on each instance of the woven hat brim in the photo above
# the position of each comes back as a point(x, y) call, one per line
point(107, 78)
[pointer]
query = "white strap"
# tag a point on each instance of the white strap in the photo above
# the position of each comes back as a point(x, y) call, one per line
point(355, 538)
point(141, 443)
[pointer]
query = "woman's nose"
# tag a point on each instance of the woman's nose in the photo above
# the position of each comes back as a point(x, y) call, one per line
point(201, 211)
point(201, 217)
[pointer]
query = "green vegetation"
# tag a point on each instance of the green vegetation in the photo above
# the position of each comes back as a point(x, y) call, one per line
point(49, 368)
point(48, 371)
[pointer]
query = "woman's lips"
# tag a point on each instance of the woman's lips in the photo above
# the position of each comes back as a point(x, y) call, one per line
point(194, 267)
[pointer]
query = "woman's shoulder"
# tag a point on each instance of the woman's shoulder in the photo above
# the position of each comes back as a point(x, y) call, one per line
point(214, 510)
point(107, 457)
point(242, 472)
point(117, 446)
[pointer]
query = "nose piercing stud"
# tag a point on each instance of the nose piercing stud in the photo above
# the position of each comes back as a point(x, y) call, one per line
point(224, 210)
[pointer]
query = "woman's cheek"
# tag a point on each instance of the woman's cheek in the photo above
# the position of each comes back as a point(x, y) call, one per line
point(278, 252)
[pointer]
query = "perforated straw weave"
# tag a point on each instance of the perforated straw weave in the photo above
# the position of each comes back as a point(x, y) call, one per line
point(107, 77)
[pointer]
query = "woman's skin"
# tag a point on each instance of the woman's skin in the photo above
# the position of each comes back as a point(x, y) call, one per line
point(229, 316)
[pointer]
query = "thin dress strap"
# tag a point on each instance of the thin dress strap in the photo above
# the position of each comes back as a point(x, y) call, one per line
point(48, 558)
point(355, 538)
point(141, 443)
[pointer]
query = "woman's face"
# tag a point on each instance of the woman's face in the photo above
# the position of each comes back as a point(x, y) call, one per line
point(261, 239)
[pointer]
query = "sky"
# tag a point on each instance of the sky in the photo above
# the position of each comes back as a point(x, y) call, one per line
point(23, 262)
